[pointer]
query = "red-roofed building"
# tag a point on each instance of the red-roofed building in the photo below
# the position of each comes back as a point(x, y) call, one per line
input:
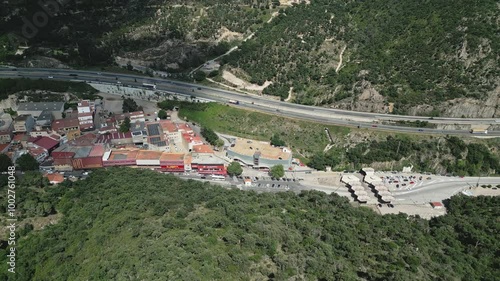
point(170, 130)
point(185, 128)
point(66, 125)
point(116, 138)
point(48, 143)
point(4, 147)
point(92, 160)
point(55, 178)
point(203, 149)
point(437, 205)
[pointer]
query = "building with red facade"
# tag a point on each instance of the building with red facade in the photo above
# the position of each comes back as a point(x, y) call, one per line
point(172, 162)
point(208, 165)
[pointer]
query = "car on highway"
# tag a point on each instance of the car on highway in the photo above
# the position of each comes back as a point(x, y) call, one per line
point(420, 130)
point(403, 184)
point(374, 126)
point(412, 182)
point(428, 178)
point(50, 77)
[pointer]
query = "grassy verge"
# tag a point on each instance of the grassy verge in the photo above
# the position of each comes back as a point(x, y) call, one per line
point(303, 137)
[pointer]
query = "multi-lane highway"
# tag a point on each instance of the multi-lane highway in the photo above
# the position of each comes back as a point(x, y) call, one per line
point(254, 102)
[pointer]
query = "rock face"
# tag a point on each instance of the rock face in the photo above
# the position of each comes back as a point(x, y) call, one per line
point(471, 108)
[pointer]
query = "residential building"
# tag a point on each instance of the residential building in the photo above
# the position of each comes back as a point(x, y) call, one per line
point(66, 125)
point(45, 119)
point(55, 178)
point(156, 140)
point(171, 131)
point(24, 123)
point(6, 128)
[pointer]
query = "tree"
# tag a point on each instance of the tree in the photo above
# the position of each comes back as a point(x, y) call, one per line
point(125, 126)
point(199, 76)
point(277, 171)
point(27, 163)
point(129, 105)
point(276, 141)
point(129, 66)
point(5, 162)
point(234, 169)
point(210, 136)
point(162, 114)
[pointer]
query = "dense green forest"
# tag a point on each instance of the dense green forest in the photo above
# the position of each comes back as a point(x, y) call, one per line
point(412, 52)
point(130, 224)
point(89, 33)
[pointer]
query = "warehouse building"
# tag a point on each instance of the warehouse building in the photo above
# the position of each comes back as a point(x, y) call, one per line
point(259, 154)
point(36, 108)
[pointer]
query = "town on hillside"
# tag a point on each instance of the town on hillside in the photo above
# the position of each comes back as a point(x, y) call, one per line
point(67, 140)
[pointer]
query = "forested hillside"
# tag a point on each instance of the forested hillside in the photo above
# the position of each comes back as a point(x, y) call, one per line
point(411, 53)
point(129, 224)
point(405, 57)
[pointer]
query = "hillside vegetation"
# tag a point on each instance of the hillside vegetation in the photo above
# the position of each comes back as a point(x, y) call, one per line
point(130, 224)
point(406, 57)
point(406, 52)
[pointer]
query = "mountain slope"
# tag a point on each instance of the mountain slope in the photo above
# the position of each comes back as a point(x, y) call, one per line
point(404, 52)
point(130, 224)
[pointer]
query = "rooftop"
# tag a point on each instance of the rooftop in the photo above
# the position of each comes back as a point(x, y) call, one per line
point(38, 106)
point(97, 151)
point(46, 142)
point(203, 148)
point(60, 124)
point(45, 115)
point(266, 150)
point(123, 155)
point(206, 159)
point(153, 129)
point(22, 117)
point(148, 155)
point(184, 127)
point(172, 157)
point(168, 126)
point(55, 178)
point(79, 151)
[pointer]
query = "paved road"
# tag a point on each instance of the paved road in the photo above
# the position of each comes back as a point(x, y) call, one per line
point(440, 188)
point(310, 113)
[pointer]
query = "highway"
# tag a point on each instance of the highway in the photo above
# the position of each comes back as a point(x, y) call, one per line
point(257, 103)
